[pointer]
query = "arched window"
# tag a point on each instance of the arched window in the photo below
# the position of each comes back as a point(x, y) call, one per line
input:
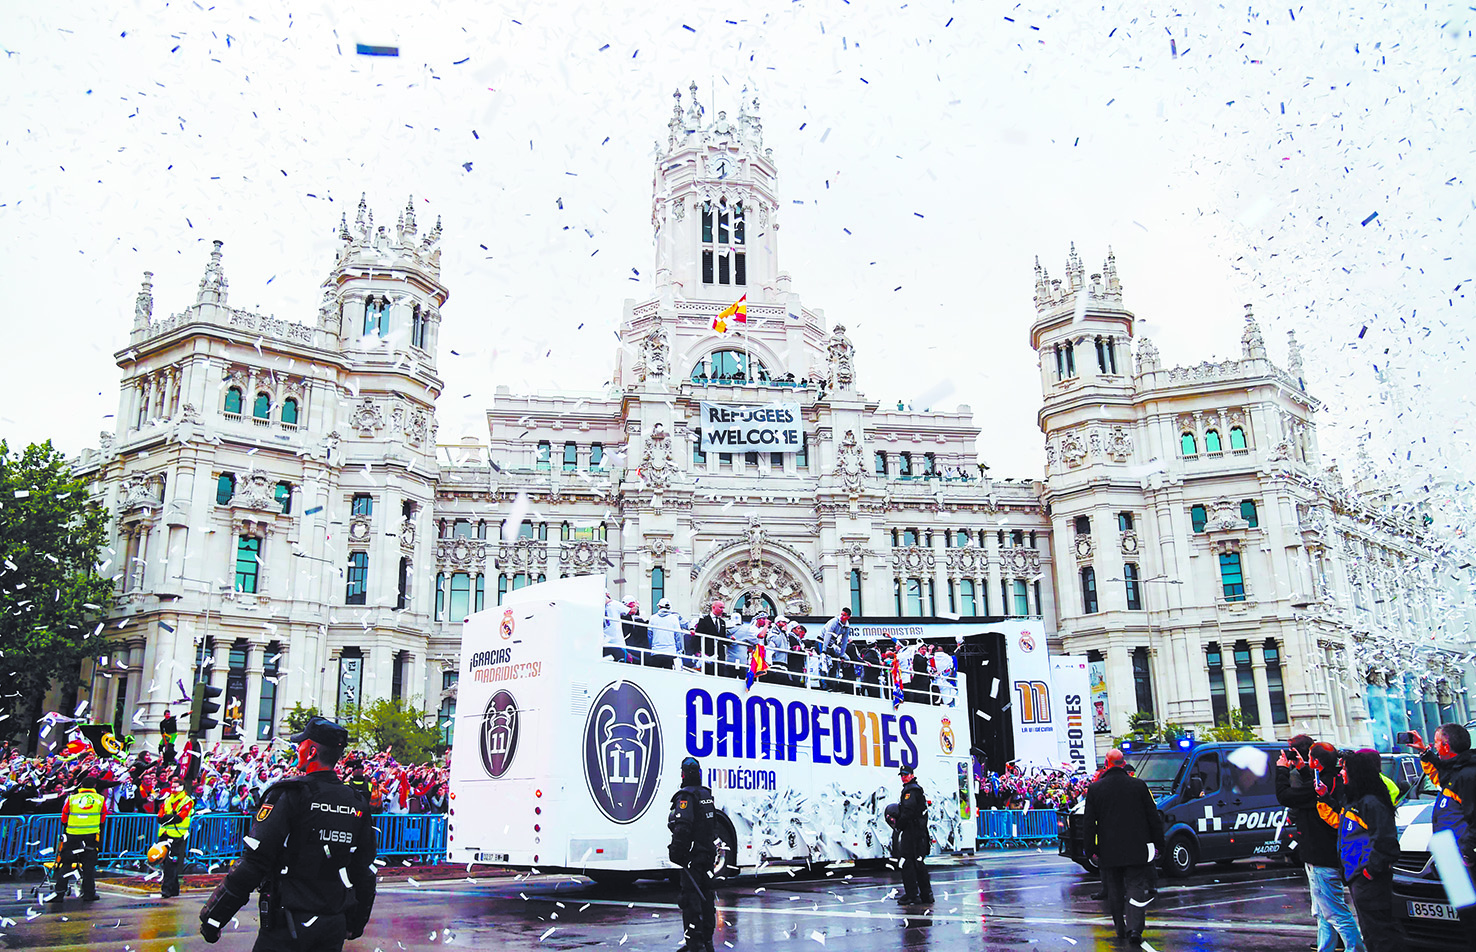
point(233, 400)
point(417, 328)
point(1089, 591)
point(730, 366)
point(1237, 438)
point(289, 411)
point(225, 488)
point(723, 256)
point(1188, 445)
point(658, 586)
point(375, 321)
point(751, 603)
point(1212, 441)
point(262, 408)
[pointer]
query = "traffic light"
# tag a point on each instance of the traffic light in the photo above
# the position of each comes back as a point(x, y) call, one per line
point(202, 707)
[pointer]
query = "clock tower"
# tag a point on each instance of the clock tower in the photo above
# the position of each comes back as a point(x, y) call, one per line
point(713, 205)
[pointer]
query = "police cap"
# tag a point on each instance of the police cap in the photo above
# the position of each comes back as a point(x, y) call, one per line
point(320, 730)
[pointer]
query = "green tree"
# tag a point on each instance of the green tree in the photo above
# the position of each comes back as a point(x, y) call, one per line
point(52, 533)
point(295, 719)
point(392, 723)
point(1232, 727)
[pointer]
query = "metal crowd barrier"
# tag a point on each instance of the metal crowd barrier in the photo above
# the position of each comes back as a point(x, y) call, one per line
point(12, 838)
point(215, 838)
point(1009, 829)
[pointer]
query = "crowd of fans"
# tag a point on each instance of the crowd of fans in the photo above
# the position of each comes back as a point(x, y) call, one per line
point(1029, 788)
point(228, 779)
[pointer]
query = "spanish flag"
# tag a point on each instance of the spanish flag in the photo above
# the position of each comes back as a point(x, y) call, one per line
point(758, 663)
point(738, 311)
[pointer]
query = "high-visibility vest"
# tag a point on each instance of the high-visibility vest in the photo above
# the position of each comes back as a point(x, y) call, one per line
point(181, 805)
point(84, 813)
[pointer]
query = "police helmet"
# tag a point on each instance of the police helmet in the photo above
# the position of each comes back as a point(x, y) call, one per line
point(691, 770)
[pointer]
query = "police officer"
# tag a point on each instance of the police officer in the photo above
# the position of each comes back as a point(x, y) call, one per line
point(82, 818)
point(692, 830)
point(912, 841)
point(175, 813)
point(311, 850)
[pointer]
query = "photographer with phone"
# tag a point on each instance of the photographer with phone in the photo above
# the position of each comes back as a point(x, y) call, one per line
point(1314, 765)
point(1451, 764)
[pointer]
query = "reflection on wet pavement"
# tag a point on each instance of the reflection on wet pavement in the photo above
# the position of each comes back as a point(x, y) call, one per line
point(1024, 900)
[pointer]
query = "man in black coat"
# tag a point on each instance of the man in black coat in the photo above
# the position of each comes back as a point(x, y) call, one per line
point(709, 638)
point(1124, 831)
point(913, 841)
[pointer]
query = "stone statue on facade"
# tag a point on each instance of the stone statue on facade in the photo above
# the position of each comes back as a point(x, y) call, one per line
point(840, 354)
point(849, 466)
point(656, 461)
point(653, 353)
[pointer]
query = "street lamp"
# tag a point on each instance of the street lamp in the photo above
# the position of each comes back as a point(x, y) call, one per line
point(1147, 611)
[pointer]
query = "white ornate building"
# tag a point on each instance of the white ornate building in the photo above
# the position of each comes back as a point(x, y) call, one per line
point(281, 510)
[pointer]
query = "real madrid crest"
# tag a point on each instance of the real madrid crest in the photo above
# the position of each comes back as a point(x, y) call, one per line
point(1027, 641)
point(507, 624)
point(945, 736)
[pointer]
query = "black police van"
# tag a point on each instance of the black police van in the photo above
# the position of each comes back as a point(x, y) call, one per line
point(1218, 802)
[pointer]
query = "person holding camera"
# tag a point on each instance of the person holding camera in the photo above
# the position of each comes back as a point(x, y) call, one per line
point(1368, 844)
point(1451, 763)
point(1315, 767)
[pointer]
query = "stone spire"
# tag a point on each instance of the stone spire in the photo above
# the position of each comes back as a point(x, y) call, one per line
point(1075, 276)
point(694, 110)
point(213, 285)
point(1113, 290)
point(750, 126)
point(1294, 358)
point(1251, 343)
point(359, 225)
point(143, 305)
point(675, 125)
point(343, 232)
point(1042, 285)
point(407, 227)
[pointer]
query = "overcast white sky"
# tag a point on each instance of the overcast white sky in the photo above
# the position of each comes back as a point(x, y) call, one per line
point(1228, 157)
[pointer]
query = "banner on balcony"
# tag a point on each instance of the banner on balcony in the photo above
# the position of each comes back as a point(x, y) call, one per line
point(750, 428)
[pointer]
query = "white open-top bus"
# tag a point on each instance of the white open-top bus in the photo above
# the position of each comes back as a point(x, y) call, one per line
point(564, 760)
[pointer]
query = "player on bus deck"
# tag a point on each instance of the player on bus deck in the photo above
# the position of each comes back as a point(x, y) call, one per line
point(668, 635)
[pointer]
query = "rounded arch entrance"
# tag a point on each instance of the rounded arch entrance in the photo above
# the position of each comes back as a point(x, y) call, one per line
point(770, 581)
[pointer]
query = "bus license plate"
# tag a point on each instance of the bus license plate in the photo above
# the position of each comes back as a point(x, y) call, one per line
point(503, 858)
point(1431, 910)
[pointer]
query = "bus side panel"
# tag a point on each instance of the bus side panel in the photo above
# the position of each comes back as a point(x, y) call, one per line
point(804, 798)
point(513, 802)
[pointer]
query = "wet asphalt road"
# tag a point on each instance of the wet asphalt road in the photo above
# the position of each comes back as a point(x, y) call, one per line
point(1000, 900)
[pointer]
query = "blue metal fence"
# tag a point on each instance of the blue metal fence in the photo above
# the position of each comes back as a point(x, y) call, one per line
point(12, 838)
point(215, 838)
point(1005, 829)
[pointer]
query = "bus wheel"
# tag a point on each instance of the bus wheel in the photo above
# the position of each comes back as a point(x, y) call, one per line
point(1088, 866)
point(1180, 856)
point(726, 865)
